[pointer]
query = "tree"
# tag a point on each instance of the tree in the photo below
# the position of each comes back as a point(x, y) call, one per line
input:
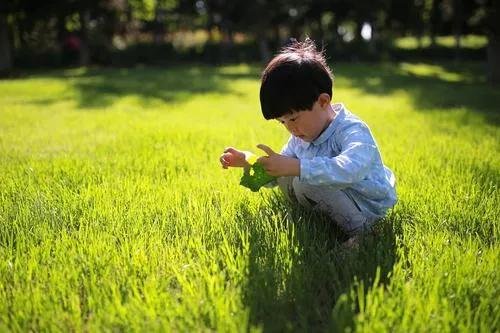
point(458, 19)
point(5, 50)
point(493, 31)
point(434, 21)
point(6, 9)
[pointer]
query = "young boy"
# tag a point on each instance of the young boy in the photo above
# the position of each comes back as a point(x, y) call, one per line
point(331, 161)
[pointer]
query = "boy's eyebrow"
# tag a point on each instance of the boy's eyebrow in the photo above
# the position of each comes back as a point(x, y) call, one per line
point(289, 114)
point(288, 117)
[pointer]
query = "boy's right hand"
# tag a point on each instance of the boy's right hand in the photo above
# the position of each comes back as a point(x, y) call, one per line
point(233, 158)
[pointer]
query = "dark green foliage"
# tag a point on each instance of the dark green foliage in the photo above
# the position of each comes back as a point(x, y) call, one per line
point(255, 177)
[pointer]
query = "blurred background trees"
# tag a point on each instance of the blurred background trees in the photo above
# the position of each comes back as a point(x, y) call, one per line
point(128, 32)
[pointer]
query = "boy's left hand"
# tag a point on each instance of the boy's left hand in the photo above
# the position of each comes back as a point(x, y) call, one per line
point(278, 165)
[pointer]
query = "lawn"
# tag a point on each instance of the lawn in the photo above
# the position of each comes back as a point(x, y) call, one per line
point(116, 216)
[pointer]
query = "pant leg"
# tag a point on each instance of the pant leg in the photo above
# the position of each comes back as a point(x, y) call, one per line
point(286, 186)
point(334, 203)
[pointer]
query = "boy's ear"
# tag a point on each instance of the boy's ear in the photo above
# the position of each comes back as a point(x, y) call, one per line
point(324, 100)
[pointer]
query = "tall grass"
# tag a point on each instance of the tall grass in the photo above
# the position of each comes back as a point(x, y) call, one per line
point(115, 215)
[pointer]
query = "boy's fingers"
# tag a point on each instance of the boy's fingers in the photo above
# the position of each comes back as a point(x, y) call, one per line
point(224, 162)
point(230, 150)
point(263, 161)
point(265, 148)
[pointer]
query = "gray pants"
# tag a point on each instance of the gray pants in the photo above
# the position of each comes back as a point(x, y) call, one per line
point(334, 203)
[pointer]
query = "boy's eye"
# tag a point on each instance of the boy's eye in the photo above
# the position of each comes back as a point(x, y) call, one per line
point(289, 120)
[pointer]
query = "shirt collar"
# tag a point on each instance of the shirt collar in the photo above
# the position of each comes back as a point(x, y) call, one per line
point(327, 133)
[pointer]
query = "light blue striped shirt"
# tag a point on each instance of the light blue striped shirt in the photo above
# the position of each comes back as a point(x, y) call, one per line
point(346, 156)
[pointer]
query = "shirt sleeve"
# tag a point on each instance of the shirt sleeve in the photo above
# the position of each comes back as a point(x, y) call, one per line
point(358, 153)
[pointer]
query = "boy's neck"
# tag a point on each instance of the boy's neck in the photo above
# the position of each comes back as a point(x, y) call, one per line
point(331, 115)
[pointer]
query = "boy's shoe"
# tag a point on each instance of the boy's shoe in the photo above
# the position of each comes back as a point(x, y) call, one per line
point(352, 243)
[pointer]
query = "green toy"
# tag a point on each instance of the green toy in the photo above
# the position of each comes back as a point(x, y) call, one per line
point(255, 177)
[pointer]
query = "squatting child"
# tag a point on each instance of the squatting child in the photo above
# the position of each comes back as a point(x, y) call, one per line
point(331, 162)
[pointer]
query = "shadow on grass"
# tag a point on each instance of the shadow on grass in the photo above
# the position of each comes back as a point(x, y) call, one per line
point(432, 87)
point(298, 270)
point(101, 87)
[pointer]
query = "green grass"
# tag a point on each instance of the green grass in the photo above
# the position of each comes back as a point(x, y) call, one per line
point(466, 41)
point(115, 215)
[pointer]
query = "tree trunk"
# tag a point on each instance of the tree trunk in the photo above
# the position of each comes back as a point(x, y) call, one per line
point(434, 21)
point(84, 48)
point(336, 38)
point(227, 41)
point(5, 57)
point(494, 60)
point(264, 50)
point(372, 43)
point(419, 25)
point(458, 14)
point(159, 25)
point(493, 27)
point(61, 28)
point(359, 27)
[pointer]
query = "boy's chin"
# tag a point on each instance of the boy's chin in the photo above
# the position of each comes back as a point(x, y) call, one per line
point(304, 138)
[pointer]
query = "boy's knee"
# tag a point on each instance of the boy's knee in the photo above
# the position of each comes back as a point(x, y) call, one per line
point(307, 195)
point(286, 186)
point(297, 191)
point(335, 203)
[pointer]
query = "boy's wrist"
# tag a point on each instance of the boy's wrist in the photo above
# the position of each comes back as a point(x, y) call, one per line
point(294, 167)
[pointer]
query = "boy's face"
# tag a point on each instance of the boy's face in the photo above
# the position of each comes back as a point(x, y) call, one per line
point(308, 124)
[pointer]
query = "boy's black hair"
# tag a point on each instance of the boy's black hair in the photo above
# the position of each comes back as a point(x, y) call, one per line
point(294, 79)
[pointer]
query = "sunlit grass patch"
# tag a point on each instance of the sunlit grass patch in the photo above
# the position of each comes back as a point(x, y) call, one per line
point(467, 41)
